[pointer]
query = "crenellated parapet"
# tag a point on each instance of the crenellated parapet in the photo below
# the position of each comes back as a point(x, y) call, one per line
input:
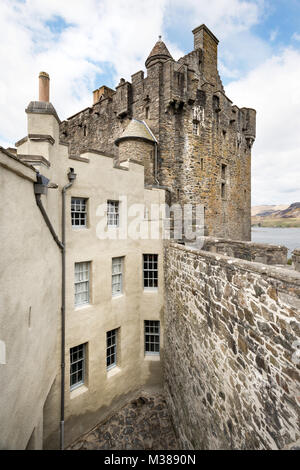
point(122, 99)
point(201, 135)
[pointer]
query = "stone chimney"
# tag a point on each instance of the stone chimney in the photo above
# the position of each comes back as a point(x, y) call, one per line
point(101, 93)
point(44, 82)
point(204, 39)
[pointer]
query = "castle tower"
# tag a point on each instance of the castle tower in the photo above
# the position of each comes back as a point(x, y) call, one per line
point(159, 53)
point(138, 143)
point(203, 151)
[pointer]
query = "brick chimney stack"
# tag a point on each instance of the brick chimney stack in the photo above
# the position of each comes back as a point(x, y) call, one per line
point(44, 82)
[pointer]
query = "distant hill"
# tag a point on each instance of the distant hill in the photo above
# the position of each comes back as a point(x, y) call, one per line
point(258, 209)
point(276, 216)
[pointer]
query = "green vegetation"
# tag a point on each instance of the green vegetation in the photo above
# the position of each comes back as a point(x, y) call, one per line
point(283, 222)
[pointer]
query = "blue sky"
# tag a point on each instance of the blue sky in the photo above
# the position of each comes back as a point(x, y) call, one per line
point(84, 44)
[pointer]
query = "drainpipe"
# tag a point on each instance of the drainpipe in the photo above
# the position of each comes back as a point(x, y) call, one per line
point(41, 187)
point(42, 209)
point(71, 177)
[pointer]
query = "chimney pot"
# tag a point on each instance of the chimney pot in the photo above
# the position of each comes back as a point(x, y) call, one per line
point(44, 81)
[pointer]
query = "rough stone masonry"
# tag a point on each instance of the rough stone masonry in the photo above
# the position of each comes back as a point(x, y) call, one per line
point(231, 329)
point(204, 141)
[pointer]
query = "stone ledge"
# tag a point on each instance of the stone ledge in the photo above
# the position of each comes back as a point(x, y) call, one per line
point(97, 152)
point(42, 138)
point(21, 141)
point(132, 160)
point(35, 159)
point(79, 159)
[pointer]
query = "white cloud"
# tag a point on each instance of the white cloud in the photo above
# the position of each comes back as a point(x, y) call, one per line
point(296, 36)
point(273, 90)
point(76, 41)
point(225, 17)
point(231, 22)
point(95, 33)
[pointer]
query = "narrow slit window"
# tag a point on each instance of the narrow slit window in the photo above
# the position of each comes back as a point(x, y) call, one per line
point(223, 172)
point(223, 190)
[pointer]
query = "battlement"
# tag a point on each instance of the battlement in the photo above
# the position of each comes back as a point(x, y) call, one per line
point(198, 131)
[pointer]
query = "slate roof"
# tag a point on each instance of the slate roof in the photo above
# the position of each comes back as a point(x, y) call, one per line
point(159, 51)
point(136, 129)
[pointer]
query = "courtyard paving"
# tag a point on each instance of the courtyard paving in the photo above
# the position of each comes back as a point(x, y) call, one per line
point(142, 424)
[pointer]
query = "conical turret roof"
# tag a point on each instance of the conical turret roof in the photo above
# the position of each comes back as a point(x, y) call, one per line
point(159, 51)
point(136, 129)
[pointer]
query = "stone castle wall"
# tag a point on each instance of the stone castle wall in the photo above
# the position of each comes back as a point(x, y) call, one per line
point(230, 327)
point(204, 142)
point(296, 259)
point(250, 251)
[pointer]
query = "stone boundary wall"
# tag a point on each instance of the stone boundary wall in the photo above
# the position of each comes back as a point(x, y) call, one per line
point(230, 371)
point(258, 252)
point(296, 259)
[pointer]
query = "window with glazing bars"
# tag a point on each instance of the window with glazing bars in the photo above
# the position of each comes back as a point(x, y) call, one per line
point(82, 283)
point(111, 348)
point(151, 337)
point(77, 366)
point(195, 127)
point(150, 271)
point(117, 271)
point(78, 212)
point(113, 213)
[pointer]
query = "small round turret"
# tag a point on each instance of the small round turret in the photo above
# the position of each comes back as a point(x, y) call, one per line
point(159, 53)
point(138, 143)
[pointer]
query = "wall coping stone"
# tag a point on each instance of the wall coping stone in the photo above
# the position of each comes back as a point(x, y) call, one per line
point(279, 273)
